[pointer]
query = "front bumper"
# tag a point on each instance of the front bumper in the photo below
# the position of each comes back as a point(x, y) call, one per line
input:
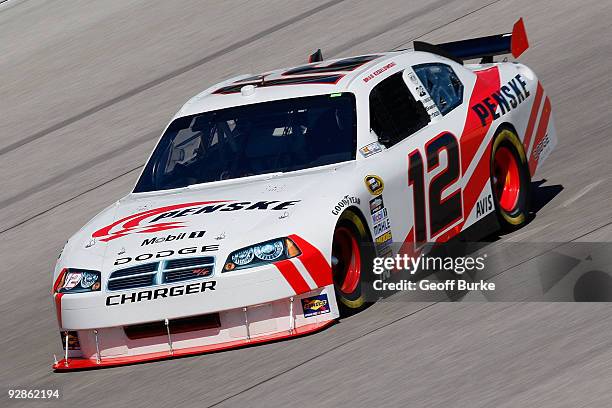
point(238, 327)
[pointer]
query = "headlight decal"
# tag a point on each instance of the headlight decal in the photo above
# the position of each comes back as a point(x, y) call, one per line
point(301, 264)
point(77, 281)
point(270, 251)
point(243, 257)
point(88, 279)
point(262, 253)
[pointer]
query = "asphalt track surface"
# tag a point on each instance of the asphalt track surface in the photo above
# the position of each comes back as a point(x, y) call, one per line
point(85, 88)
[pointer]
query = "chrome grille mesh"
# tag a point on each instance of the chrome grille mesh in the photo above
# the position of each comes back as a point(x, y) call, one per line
point(135, 270)
point(157, 273)
point(186, 262)
point(186, 274)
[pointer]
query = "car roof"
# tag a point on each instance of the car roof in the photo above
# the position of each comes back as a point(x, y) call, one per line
point(329, 76)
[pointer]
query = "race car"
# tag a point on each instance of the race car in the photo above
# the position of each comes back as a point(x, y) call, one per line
point(251, 218)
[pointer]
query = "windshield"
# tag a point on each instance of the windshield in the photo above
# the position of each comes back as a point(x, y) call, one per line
point(269, 137)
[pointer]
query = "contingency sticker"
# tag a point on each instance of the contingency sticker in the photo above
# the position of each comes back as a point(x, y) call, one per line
point(315, 305)
point(417, 89)
point(374, 184)
point(369, 150)
point(382, 226)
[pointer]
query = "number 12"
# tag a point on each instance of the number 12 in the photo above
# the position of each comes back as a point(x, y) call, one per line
point(442, 213)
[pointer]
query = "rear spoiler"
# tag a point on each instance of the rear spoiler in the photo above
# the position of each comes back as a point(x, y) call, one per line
point(482, 47)
point(316, 57)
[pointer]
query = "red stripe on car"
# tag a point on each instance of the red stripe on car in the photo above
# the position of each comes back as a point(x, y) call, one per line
point(57, 297)
point(293, 276)
point(487, 83)
point(473, 188)
point(314, 261)
point(532, 118)
point(58, 307)
point(540, 134)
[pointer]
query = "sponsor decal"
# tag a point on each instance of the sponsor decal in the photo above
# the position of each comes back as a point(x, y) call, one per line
point(374, 184)
point(177, 237)
point(315, 305)
point(159, 293)
point(382, 226)
point(540, 147)
point(344, 203)
point(508, 97)
point(369, 150)
point(201, 271)
point(166, 253)
point(421, 91)
point(172, 216)
point(379, 71)
point(376, 204)
point(432, 110)
point(379, 215)
point(386, 237)
point(484, 206)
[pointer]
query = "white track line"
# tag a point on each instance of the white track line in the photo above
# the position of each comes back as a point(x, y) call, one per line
point(581, 193)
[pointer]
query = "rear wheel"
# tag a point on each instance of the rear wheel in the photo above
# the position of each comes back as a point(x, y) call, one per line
point(510, 180)
point(351, 261)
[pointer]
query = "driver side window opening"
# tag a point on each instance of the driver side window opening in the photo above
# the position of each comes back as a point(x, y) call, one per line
point(394, 112)
point(443, 85)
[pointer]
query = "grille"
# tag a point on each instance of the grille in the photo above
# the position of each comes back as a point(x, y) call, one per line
point(178, 270)
point(131, 282)
point(135, 270)
point(186, 274)
point(183, 263)
point(157, 273)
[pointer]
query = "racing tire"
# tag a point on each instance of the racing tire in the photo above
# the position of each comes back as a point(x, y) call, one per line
point(510, 180)
point(352, 256)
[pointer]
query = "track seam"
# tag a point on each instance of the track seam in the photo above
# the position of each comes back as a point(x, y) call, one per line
point(105, 156)
point(12, 200)
point(68, 200)
point(446, 24)
point(166, 77)
point(320, 355)
point(391, 323)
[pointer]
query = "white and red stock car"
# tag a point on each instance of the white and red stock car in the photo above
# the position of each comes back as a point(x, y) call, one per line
point(247, 222)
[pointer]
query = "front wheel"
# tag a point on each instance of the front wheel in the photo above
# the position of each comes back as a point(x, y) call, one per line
point(351, 260)
point(510, 180)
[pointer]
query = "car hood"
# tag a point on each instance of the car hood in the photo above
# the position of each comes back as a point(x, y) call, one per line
point(218, 217)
